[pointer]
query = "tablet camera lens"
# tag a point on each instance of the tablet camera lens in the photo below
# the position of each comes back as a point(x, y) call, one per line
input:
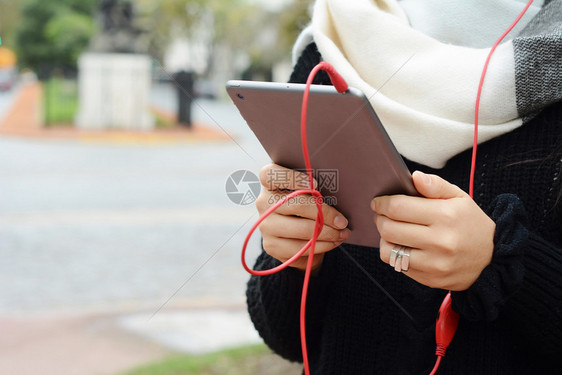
point(240, 96)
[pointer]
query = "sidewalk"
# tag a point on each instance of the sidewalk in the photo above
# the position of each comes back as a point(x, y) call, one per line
point(109, 343)
point(24, 119)
point(71, 345)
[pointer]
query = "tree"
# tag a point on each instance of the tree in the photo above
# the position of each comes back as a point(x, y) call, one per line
point(54, 32)
point(244, 27)
point(9, 18)
point(69, 34)
point(293, 19)
point(229, 21)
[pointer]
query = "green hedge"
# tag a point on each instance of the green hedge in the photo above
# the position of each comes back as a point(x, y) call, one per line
point(60, 101)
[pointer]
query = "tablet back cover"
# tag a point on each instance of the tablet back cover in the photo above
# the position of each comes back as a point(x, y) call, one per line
point(352, 156)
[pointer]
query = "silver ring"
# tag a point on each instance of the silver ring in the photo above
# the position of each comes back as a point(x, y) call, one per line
point(400, 258)
point(398, 265)
point(405, 258)
point(393, 254)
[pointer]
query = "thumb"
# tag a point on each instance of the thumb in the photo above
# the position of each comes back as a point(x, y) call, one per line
point(433, 186)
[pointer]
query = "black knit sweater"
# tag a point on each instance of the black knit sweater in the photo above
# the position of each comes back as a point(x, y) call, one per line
point(510, 318)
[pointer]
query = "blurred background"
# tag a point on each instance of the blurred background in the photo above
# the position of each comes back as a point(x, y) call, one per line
point(122, 214)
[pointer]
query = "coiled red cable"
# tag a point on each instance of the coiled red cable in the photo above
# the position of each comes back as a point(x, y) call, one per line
point(341, 86)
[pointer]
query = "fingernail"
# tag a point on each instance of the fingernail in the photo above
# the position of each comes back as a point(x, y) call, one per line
point(340, 222)
point(344, 234)
point(373, 205)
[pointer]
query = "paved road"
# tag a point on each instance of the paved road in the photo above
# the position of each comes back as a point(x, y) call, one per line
point(84, 225)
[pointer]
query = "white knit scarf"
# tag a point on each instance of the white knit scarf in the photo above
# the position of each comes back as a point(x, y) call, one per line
point(423, 90)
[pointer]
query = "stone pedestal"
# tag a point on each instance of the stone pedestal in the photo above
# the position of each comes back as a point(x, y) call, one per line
point(114, 91)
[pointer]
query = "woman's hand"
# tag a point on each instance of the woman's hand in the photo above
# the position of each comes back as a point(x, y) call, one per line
point(290, 227)
point(451, 238)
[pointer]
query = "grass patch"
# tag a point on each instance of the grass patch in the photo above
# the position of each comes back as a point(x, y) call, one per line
point(60, 101)
point(162, 121)
point(249, 360)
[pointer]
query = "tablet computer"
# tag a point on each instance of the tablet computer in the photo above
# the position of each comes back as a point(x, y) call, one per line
point(351, 155)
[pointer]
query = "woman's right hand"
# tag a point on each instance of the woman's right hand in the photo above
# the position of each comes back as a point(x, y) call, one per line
point(290, 227)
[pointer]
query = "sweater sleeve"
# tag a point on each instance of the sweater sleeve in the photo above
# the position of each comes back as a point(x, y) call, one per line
point(274, 307)
point(522, 284)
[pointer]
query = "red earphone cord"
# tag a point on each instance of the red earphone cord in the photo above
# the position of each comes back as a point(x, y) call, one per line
point(447, 322)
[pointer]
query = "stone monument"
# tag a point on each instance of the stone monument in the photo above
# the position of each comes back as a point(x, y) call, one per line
point(114, 76)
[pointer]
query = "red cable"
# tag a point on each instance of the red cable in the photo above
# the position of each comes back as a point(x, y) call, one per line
point(480, 85)
point(437, 363)
point(341, 86)
point(448, 320)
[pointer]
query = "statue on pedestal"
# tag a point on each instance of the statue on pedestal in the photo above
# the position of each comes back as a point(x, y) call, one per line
point(115, 75)
point(119, 34)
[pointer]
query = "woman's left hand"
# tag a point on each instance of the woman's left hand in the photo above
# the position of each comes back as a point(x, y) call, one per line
point(451, 238)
